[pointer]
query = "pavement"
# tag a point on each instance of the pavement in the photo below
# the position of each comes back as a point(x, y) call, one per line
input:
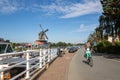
point(58, 70)
point(103, 68)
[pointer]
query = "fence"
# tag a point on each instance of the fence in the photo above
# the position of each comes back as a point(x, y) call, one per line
point(31, 60)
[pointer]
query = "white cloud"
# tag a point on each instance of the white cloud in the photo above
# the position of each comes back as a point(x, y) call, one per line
point(64, 8)
point(74, 9)
point(8, 6)
point(84, 28)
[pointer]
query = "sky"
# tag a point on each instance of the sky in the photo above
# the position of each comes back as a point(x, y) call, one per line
point(68, 21)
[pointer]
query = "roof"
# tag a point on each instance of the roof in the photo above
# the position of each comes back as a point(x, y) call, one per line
point(4, 43)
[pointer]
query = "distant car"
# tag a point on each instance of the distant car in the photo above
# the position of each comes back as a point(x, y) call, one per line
point(73, 49)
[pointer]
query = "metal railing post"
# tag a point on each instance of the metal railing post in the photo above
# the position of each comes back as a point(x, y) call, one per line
point(1, 76)
point(44, 54)
point(48, 53)
point(55, 52)
point(52, 54)
point(27, 66)
point(40, 58)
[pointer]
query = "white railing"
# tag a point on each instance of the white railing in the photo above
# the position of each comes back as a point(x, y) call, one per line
point(32, 60)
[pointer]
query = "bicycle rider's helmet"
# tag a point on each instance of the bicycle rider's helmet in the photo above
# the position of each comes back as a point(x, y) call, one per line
point(88, 49)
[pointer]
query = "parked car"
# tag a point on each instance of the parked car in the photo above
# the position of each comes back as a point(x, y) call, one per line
point(73, 49)
point(5, 48)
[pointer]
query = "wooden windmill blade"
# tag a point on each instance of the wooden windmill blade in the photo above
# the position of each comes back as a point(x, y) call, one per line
point(41, 28)
point(46, 30)
point(45, 35)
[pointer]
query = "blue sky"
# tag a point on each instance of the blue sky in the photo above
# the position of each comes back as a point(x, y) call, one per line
point(67, 20)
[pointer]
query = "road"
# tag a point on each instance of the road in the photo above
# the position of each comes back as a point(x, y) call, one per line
point(103, 69)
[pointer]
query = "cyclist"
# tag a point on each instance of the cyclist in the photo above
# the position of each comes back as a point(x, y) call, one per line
point(88, 53)
point(89, 57)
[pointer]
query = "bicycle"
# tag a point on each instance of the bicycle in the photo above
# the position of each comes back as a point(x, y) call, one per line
point(90, 61)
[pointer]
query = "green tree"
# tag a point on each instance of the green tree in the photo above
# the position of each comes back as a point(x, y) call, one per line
point(111, 11)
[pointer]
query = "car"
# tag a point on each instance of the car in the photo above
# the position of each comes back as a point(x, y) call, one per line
point(5, 48)
point(73, 49)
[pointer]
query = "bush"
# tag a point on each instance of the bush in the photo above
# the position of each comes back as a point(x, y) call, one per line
point(100, 47)
point(107, 47)
point(103, 46)
point(117, 43)
point(117, 47)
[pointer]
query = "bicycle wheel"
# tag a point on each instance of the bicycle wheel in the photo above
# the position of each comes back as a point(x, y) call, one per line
point(91, 62)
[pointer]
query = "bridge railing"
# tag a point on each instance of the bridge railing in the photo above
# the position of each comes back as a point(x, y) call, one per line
point(31, 60)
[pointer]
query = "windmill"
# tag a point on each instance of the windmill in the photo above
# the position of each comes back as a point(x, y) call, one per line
point(42, 37)
point(42, 34)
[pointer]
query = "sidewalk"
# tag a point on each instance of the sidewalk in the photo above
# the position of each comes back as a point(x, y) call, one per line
point(58, 69)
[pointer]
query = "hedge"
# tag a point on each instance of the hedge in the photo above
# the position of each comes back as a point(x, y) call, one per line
point(107, 47)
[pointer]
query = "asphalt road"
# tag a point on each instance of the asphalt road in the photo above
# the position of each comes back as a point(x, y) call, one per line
point(103, 68)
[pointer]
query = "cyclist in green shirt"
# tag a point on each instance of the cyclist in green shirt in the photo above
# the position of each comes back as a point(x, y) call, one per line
point(88, 53)
point(88, 56)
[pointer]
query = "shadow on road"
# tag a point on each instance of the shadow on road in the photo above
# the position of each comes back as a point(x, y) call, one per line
point(97, 54)
point(112, 56)
point(108, 56)
point(84, 61)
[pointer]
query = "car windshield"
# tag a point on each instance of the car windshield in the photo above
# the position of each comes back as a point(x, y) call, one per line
point(2, 48)
point(9, 49)
point(5, 48)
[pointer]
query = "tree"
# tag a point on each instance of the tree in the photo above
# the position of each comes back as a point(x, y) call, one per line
point(111, 11)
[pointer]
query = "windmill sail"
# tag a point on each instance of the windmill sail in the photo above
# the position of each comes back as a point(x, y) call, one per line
point(42, 34)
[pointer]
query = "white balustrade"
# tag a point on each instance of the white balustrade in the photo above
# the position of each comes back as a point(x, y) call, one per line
point(31, 60)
